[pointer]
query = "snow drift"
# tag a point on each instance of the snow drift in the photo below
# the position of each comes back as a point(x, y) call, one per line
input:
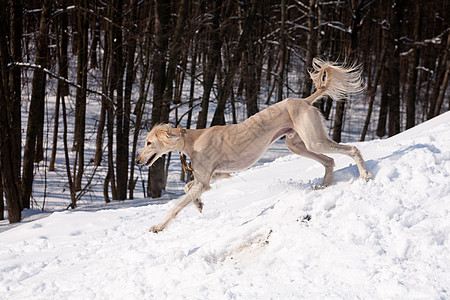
point(263, 234)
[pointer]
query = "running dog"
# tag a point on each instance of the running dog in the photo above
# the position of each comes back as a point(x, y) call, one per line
point(217, 150)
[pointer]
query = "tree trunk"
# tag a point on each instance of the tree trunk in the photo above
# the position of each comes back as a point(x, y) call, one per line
point(73, 201)
point(162, 17)
point(100, 130)
point(16, 28)
point(105, 87)
point(413, 63)
point(373, 91)
point(95, 42)
point(51, 166)
point(80, 112)
point(8, 174)
point(36, 104)
point(338, 121)
point(356, 8)
point(140, 105)
point(129, 79)
point(106, 187)
point(10, 184)
point(384, 105)
point(393, 69)
point(442, 89)
point(62, 88)
point(282, 52)
point(251, 76)
point(110, 130)
point(311, 49)
point(117, 84)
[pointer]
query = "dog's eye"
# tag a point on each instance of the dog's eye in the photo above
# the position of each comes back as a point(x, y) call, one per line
point(149, 143)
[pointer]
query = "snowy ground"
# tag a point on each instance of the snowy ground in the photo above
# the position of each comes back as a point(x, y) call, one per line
point(263, 234)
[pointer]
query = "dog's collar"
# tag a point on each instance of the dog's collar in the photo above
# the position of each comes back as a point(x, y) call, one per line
point(180, 144)
point(180, 147)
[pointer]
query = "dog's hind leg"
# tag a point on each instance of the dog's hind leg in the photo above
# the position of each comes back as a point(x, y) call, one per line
point(312, 131)
point(332, 147)
point(297, 146)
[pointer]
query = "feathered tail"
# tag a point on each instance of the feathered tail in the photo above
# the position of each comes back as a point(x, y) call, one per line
point(334, 80)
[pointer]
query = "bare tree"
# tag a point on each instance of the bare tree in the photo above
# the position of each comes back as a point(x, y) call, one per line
point(80, 106)
point(143, 92)
point(282, 51)
point(37, 103)
point(117, 87)
point(251, 73)
point(62, 90)
point(311, 48)
point(393, 69)
point(73, 201)
point(10, 184)
point(413, 64)
point(129, 80)
point(105, 87)
point(16, 29)
point(162, 16)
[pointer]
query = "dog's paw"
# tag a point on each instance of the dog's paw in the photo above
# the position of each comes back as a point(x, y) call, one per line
point(156, 229)
point(199, 205)
point(317, 187)
point(366, 175)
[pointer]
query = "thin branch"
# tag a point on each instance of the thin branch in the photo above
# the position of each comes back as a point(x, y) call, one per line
point(38, 67)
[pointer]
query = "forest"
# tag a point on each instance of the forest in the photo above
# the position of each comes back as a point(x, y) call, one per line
point(111, 70)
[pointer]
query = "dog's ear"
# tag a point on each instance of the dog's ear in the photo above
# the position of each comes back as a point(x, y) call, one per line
point(173, 134)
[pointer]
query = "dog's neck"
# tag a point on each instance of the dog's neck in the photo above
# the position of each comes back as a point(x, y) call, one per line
point(180, 143)
point(186, 140)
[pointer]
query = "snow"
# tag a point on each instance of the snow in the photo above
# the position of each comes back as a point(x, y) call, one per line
point(264, 233)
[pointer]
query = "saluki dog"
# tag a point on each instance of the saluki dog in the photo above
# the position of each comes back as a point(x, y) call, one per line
point(217, 150)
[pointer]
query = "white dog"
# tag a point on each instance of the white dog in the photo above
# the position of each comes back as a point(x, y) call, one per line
point(217, 150)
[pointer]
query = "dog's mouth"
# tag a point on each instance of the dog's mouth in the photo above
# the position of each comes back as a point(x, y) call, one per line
point(149, 161)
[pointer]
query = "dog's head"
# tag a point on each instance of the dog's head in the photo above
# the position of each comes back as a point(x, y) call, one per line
point(160, 140)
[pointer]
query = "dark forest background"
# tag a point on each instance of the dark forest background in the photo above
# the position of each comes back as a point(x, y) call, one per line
point(146, 59)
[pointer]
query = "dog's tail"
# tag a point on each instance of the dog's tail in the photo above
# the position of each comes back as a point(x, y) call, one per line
point(334, 80)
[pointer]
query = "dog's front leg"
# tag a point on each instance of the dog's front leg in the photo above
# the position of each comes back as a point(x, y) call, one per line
point(194, 193)
point(197, 202)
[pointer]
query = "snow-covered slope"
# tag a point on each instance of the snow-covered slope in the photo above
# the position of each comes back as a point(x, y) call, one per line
point(263, 234)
